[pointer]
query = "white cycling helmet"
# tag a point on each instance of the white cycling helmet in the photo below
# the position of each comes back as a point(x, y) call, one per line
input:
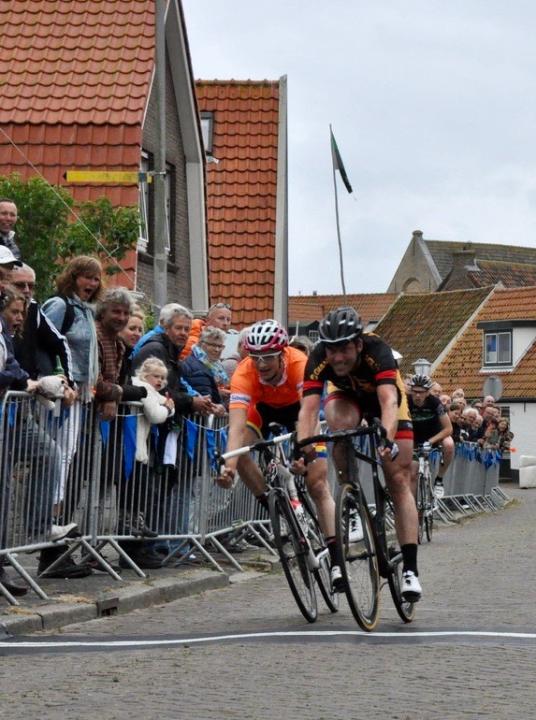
point(266, 336)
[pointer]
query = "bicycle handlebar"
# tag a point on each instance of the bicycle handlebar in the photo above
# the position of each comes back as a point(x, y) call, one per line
point(256, 446)
point(375, 429)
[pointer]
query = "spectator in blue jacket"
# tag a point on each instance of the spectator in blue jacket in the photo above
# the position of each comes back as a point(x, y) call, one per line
point(203, 368)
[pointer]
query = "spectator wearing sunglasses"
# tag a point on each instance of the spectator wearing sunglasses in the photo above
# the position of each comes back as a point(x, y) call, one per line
point(40, 344)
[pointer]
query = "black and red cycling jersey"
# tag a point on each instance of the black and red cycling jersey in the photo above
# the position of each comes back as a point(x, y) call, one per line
point(375, 366)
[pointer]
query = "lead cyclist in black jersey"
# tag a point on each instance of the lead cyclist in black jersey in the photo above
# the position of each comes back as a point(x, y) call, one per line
point(362, 378)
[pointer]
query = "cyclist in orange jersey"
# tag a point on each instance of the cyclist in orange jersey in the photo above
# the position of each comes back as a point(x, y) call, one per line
point(266, 387)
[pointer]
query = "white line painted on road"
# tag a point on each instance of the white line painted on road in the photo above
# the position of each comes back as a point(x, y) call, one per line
point(166, 642)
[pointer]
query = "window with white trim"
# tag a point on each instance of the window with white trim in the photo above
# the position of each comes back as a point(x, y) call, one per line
point(144, 204)
point(170, 208)
point(498, 348)
point(207, 125)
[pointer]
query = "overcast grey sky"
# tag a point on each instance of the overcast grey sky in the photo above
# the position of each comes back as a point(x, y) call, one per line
point(433, 107)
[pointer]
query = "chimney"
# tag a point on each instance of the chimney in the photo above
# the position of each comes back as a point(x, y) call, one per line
point(463, 260)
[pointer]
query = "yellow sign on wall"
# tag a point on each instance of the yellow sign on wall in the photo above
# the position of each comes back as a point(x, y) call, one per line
point(107, 177)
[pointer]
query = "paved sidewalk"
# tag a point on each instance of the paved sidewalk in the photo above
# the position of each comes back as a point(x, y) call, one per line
point(99, 595)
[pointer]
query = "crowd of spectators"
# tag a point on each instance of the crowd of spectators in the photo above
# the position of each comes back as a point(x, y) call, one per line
point(90, 345)
point(477, 421)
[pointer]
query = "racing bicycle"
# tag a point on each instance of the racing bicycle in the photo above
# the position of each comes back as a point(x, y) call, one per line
point(376, 558)
point(296, 532)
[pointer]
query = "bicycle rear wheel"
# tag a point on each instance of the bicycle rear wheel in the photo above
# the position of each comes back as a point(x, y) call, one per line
point(357, 557)
point(323, 572)
point(293, 555)
point(405, 609)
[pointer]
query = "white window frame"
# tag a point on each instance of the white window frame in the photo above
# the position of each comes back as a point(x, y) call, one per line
point(143, 201)
point(207, 127)
point(492, 357)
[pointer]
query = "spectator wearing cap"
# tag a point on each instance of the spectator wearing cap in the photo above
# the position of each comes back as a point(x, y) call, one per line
point(7, 262)
point(8, 219)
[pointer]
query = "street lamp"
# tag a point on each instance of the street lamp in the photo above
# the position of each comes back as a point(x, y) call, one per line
point(422, 366)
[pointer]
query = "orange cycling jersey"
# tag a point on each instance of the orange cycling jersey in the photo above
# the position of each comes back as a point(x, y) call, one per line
point(247, 388)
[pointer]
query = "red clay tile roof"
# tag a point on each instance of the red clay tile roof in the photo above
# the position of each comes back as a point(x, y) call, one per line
point(76, 75)
point(241, 194)
point(462, 366)
point(307, 308)
point(491, 272)
point(421, 325)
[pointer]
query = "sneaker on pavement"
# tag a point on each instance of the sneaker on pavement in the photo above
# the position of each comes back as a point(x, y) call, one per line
point(337, 580)
point(439, 489)
point(355, 531)
point(411, 587)
point(60, 532)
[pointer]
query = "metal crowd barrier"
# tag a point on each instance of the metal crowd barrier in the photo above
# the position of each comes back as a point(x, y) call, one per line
point(470, 486)
point(66, 466)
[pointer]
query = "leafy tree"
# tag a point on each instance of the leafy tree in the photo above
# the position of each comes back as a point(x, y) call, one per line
point(48, 233)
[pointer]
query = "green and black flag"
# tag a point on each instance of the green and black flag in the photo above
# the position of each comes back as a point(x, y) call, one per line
point(337, 162)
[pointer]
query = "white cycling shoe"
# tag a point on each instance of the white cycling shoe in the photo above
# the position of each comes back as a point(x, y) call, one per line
point(355, 531)
point(411, 587)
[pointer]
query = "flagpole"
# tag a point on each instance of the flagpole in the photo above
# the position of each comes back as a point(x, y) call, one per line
point(338, 224)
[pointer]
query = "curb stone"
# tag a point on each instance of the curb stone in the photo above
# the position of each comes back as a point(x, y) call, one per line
point(123, 600)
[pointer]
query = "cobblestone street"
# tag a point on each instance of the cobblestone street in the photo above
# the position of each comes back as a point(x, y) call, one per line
point(478, 576)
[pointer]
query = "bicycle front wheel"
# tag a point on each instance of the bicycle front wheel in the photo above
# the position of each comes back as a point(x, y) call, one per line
point(429, 511)
point(293, 551)
point(421, 507)
point(356, 551)
point(405, 609)
point(323, 572)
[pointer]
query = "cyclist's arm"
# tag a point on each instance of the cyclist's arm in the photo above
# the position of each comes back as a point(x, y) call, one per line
point(446, 430)
point(388, 399)
point(237, 433)
point(308, 417)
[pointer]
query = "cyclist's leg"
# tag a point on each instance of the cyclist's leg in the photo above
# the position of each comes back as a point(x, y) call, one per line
point(402, 490)
point(319, 490)
point(447, 445)
point(342, 413)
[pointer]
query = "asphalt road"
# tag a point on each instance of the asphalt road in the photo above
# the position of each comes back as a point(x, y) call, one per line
point(245, 652)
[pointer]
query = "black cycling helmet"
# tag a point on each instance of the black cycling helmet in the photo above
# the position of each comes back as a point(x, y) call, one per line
point(340, 325)
point(422, 381)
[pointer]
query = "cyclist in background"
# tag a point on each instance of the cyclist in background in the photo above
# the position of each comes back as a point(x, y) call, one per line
point(363, 378)
point(431, 424)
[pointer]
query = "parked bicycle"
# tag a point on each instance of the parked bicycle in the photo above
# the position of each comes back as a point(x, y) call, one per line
point(377, 553)
point(297, 535)
point(425, 492)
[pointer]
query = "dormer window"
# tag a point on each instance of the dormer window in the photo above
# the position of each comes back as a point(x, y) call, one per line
point(498, 348)
point(505, 342)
